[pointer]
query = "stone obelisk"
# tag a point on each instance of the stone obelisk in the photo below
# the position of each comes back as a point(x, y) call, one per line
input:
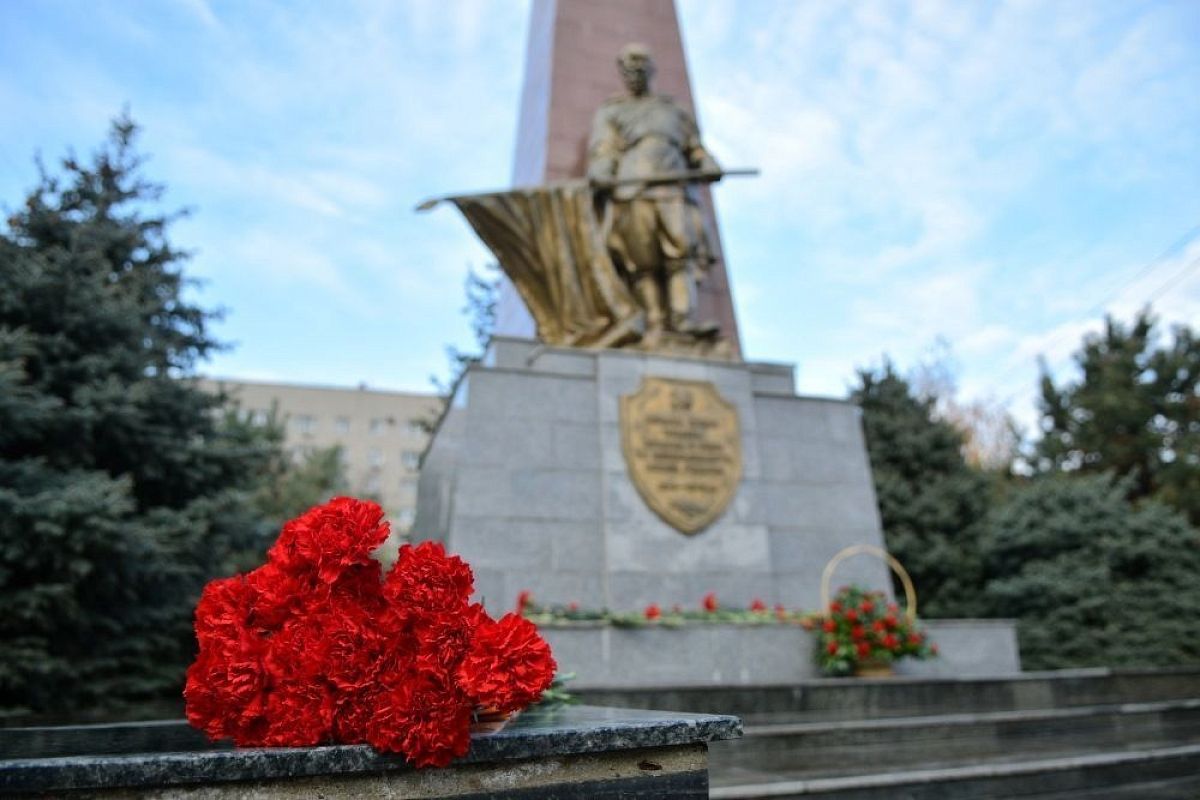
point(569, 71)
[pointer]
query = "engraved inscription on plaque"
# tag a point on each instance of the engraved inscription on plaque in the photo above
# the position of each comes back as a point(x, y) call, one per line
point(683, 447)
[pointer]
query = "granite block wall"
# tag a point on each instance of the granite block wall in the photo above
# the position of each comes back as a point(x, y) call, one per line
point(527, 480)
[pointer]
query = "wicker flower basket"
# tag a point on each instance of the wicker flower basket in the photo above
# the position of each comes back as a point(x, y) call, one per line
point(872, 669)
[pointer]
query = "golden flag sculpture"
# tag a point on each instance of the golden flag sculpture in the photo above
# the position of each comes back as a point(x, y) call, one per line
point(551, 246)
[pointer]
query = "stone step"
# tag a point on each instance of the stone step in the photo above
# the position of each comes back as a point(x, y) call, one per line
point(908, 696)
point(1168, 773)
point(829, 748)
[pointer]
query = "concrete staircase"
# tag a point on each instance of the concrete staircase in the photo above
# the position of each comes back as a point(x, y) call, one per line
point(1066, 734)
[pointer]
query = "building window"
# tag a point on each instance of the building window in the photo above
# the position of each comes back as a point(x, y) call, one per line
point(373, 483)
point(405, 518)
point(342, 425)
point(415, 427)
point(259, 416)
point(304, 423)
point(375, 457)
point(302, 453)
point(410, 459)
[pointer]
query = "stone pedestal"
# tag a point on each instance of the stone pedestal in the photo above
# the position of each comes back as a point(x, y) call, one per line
point(565, 752)
point(525, 478)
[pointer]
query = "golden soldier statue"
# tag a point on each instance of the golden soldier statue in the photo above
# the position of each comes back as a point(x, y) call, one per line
point(655, 230)
point(613, 260)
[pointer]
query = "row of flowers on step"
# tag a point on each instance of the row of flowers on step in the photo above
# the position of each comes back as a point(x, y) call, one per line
point(709, 611)
point(859, 629)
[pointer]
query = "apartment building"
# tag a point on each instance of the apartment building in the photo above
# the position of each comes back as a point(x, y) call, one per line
point(382, 434)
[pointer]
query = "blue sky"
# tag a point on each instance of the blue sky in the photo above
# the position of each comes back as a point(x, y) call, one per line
point(994, 175)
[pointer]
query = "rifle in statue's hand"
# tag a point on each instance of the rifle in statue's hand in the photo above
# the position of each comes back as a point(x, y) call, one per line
point(688, 176)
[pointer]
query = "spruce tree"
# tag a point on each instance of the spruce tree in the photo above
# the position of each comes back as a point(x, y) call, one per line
point(930, 501)
point(1093, 579)
point(121, 489)
point(1134, 411)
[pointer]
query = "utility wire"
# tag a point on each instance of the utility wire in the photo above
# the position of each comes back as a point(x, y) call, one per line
point(1145, 270)
point(1174, 279)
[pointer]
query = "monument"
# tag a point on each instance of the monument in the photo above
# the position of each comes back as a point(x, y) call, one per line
point(613, 449)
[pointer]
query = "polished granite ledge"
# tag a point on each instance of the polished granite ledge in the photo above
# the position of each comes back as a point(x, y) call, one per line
point(82, 757)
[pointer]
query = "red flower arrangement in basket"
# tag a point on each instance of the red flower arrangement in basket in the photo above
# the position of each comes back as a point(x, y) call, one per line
point(318, 645)
point(862, 629)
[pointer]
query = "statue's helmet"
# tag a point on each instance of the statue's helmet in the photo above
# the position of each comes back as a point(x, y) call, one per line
point(635, 55)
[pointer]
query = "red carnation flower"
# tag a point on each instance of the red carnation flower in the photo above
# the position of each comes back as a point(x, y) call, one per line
point(863, 649)
point(353, 712)
point(915, 639)
point(424, 577)
point(330, 538)
point(299, 714)
point(866, 606)
point(831, 648)
point(280, 594)
point(423, 716)
point(710, 602)
point(878, 626)
point(890, 621)
point(224, 610)
point(829, 626)
point(653, 611)
point(835, 607)
point(781, 613)
point(508, 666)
point(524, 598)
point(758, 605)
point(858, 632)
point(226, 691)
point(444, 638)
point(890, 642)
point(851, 615)
point(300, 650)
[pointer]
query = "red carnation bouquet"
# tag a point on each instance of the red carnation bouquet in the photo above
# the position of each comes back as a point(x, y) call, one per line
point(318, 645)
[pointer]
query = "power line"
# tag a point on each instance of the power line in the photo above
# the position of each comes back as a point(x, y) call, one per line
point(1145, 270)
point(1168, 284)
point(1174, 279)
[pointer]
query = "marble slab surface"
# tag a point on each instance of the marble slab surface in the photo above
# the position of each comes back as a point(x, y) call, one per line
point(82, 757)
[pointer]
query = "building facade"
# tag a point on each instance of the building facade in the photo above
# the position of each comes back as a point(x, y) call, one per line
point(381, 434)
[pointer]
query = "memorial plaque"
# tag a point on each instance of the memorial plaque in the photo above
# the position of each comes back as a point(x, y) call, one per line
point(683, 447)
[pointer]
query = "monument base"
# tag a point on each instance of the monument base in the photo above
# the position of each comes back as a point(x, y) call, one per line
point(528, 478)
